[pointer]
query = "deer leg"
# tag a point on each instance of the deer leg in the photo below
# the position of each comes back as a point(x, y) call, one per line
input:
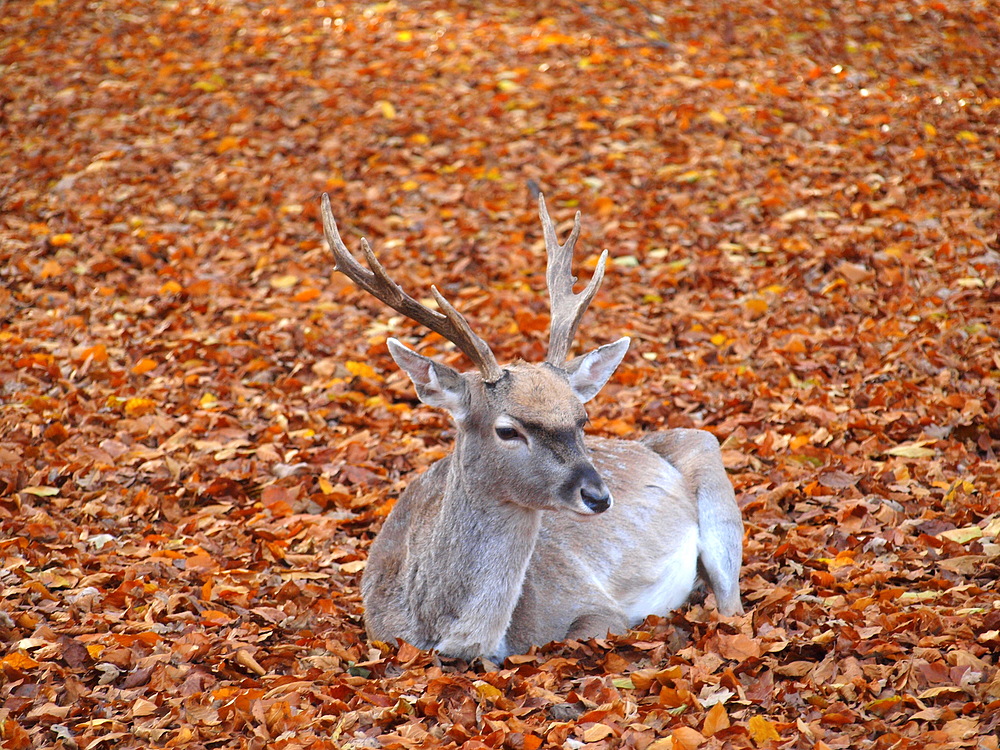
point(696, 455)
point(597, 624)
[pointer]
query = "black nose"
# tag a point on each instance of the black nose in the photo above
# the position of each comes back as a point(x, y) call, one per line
point(596, 499)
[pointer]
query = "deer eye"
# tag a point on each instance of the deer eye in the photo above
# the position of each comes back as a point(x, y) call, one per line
point(508, 433)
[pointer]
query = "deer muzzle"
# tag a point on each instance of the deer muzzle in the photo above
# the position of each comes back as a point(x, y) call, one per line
point(589, 489)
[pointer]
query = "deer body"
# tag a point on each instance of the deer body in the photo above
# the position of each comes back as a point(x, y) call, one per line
point(529, 531)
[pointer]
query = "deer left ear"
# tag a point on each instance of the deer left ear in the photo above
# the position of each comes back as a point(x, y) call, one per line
point(589, 372)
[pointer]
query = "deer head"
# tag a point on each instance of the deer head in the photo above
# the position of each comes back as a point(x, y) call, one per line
point(520, 427)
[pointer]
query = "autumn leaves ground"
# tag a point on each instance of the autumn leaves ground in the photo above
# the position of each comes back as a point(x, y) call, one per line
point(201, 430)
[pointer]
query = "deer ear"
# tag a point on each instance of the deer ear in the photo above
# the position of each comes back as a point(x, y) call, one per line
point(588, 373)
point(436, 384)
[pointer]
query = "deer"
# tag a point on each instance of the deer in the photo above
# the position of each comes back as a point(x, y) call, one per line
point(531, 531)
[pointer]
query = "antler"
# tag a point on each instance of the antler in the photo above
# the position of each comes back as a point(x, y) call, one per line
point(377, 283)
point(567, 308)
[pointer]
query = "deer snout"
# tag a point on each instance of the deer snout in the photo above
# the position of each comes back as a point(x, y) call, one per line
point(594, 494)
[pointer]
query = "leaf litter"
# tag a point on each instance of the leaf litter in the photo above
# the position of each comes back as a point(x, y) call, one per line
point(201, 430)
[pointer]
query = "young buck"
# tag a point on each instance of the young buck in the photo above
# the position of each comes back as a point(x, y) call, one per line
point(530, 531)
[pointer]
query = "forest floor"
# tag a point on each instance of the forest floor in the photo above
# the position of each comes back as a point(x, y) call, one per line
point(201, 429)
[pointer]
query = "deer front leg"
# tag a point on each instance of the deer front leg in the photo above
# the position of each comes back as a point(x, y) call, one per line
point(696, 455)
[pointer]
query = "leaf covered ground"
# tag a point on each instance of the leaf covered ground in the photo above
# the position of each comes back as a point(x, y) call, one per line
point(201, 430)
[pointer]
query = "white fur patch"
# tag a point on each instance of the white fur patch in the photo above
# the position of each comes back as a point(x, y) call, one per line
point(673, 585)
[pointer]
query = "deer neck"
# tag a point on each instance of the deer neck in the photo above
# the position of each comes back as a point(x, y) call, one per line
point(483, 545)
point(500, 533)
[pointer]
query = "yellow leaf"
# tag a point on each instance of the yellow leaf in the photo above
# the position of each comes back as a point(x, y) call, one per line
point(718, 339)
point(95, 650)
point(963, 535)
point(756, 306)
point(388, 111)
point(992, 529)
point(410, 185)
point(912, 450)
point(42, 491)
point(171, 287)
point(207, 401)
point(229, 143)
point(762, 730)
point(324, 486)
point(284, 282)
point(360, 369)
point(404, 36)
point(693, 175)
point(486, 691)
point(971, 282)
point(929, 130)
point(507, 85)
point(60, 240)
point(967, 136)
point(136, 407)
point(213, 83)
point(717, 117)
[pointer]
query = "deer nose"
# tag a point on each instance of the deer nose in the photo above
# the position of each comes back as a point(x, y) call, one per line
point(597, 499)
point(593, 492)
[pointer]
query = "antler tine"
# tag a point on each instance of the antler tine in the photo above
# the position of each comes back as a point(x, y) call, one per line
point(567, 308)
point(450, 324)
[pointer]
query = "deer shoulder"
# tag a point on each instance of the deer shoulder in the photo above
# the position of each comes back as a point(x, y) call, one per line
point(530, 531)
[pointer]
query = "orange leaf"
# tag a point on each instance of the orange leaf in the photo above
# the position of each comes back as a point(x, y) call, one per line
point(687, 738)
point(98, 353)
point(60, 240)
point(49, 269)
point(18, 662)
point(716, 719)
point(738, 647)
point(795, 345)
point(144, 365)
point(215, 617)
point(306, 295)
point(198, 288)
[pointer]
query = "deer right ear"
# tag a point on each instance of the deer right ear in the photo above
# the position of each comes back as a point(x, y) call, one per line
point(436, 384)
